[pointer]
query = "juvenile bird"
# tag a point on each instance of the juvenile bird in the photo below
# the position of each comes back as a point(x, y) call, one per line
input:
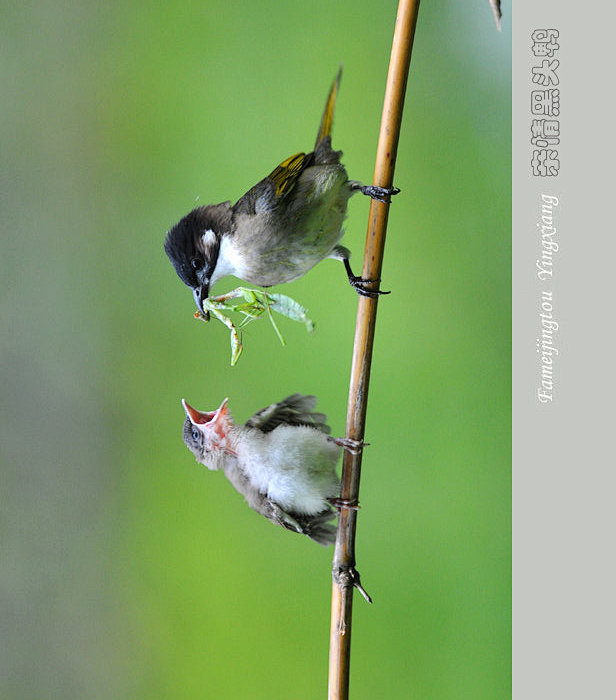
point(282, 461)
point(280, 229)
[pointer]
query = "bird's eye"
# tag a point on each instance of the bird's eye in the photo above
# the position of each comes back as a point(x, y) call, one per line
point(197, 263)
point(195, 435)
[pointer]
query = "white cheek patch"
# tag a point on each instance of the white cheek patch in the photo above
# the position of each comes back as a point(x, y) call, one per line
point(230, 261)
point(208, 239)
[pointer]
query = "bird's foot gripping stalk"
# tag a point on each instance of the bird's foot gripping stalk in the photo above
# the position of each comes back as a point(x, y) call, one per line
point(340, 503)
point(355, 447)
point(381, 194)
point(359, 283)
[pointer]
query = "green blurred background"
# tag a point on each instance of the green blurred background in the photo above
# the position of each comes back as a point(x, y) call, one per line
point(127, 571)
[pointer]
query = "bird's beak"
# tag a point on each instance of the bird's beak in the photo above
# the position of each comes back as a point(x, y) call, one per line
point(197, 418)
point(200, 294)
point(222, 410)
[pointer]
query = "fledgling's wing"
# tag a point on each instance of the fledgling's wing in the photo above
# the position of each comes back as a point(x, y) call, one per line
point(294, 410)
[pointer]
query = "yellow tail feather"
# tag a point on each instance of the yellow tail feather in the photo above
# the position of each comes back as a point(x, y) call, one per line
point(327, 119)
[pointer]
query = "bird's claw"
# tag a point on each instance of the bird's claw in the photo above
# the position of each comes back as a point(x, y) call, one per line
point(347, 503)
point(381, 194)
point(358, 284)
point(355, 447)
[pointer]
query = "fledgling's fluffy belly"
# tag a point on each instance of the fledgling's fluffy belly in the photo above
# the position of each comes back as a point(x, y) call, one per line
point(294, 466)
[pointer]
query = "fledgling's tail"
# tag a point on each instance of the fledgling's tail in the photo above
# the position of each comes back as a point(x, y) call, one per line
point(319, 529)
point(327, 120)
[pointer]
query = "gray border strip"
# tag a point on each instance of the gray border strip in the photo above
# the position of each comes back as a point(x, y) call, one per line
point(563, 458)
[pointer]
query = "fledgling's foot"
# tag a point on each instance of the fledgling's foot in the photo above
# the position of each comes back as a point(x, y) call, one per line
point(381, 194)
point(355, 447)
point(340, 503)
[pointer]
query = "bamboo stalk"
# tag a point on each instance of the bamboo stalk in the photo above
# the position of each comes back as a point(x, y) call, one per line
point(345, 575)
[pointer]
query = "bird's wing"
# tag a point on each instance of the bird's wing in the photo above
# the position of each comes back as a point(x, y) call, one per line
point(273, 189)
point(294, 410)
point(285, 175)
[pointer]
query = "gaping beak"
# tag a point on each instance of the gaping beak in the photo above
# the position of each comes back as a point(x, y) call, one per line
point(200, 294)
point(197, 417)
